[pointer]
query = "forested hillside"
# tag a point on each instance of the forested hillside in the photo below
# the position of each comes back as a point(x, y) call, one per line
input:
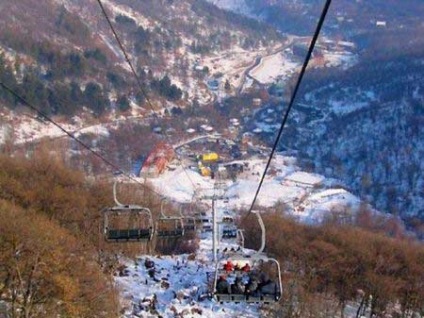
point(367, 130)
point(358, 121)
point(54, 261)
point(334, 269)
point(64, 57)
point(48, 242)
point(345, 17)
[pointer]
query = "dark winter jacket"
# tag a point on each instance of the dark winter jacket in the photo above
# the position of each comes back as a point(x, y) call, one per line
point(222, 286)
point(252, 287)
point(269, 288)
point(238, 286)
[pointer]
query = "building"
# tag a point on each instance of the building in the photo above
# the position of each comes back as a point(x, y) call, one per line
point(209, 157)
point(157, 160)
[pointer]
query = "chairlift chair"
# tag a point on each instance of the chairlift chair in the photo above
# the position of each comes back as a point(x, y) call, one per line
point(169, 226)
point(264, 294)
point(207, 224)
point(229, 233)
point(127, 223)
point(188, 221)
point(203, 222)
point(228, 220)
point(229, 230)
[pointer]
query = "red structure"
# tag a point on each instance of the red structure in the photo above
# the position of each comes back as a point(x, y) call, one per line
point(158, 159)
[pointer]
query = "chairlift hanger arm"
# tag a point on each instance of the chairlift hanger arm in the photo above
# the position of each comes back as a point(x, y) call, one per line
point(162, 204)
point(263, 231)
point(114, 194)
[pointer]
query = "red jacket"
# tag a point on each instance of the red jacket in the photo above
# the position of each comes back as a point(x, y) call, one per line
point(229, 267)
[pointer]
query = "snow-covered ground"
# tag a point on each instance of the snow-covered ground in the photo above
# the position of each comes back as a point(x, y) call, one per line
point(179, 285)
point(239, 6)
point(282, 186)
point(274, 67)
point(281, 65)
point(233, 63)
point(343, 59)
point(26, 128)
point(179, 288)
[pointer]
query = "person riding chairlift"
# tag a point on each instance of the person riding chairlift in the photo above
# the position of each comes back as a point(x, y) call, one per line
point(229, 267)
point(238, 286)
point(222, 286)
point(252, 286)
point(266, 285)
point(246, 268)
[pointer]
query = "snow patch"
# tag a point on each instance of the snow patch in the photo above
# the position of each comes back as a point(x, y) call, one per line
point(238, 6)
point(273, 68)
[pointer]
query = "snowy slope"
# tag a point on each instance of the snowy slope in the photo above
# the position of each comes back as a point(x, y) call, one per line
point(238, 6)
point(179, 286)
point(181, 185)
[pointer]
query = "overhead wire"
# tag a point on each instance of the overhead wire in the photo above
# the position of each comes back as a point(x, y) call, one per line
point(292, 99)
point(83, 144)
point(118, 169)
point(139, 82)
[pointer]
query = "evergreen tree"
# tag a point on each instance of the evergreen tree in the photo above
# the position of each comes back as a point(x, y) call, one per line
point(95, 98)
point(227, 85)
point(123, 103)
point(7, 77)
point(76, 93)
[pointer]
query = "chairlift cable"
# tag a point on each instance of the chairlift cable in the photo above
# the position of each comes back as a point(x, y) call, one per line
point(292, 99)
point(71, 135)
point(140, 84)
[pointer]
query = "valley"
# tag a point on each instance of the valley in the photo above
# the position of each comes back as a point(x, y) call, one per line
point(180, 101)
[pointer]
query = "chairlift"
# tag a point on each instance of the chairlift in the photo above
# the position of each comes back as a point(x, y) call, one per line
point(169, 226)
point(207, 225)
point(228, 220)
point(229, 233)
point(127, 223)
point(229, 228)
point(239, 282)
point(203, 222)
point(189, 222)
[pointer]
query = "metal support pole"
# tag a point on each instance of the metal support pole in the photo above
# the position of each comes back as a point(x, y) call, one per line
point(214, 227)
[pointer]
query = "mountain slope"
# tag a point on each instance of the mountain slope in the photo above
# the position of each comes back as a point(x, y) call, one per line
point(65, 47)
point(366, 130)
